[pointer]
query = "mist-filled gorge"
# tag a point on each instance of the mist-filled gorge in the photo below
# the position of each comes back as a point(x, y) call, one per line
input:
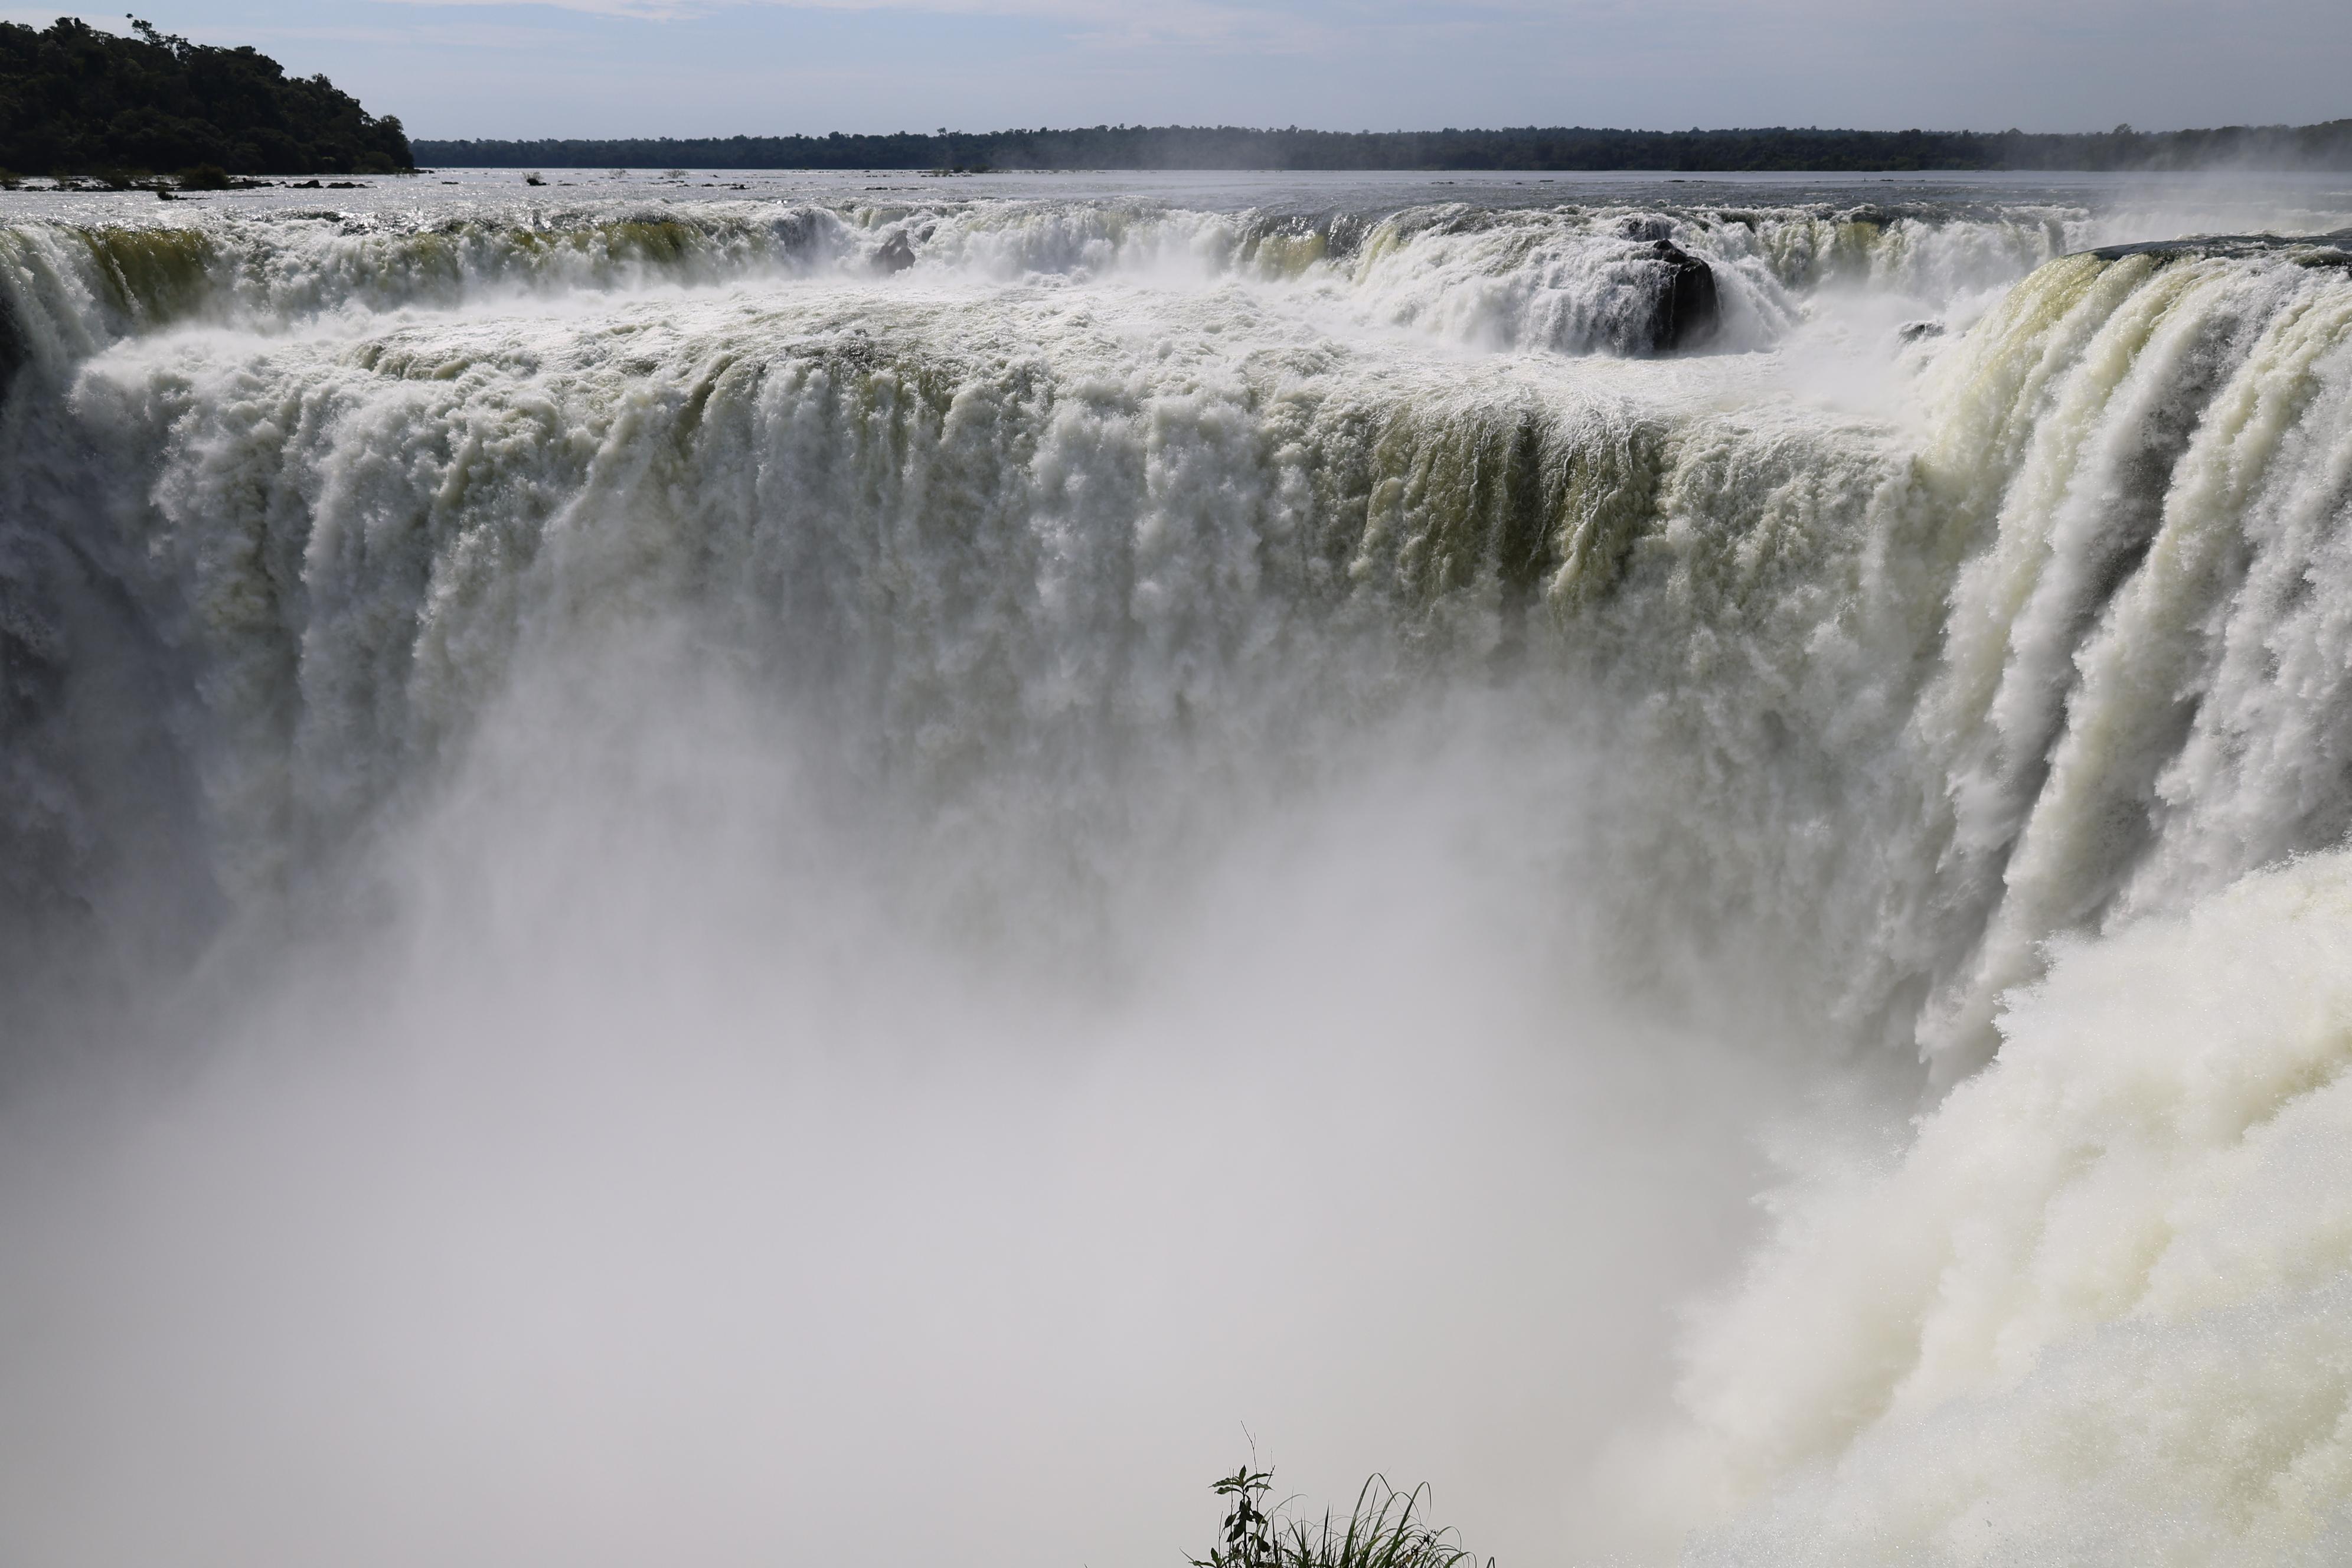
point(841, 872)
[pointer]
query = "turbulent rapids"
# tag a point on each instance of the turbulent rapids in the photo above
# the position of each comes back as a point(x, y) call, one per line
point(902, 685)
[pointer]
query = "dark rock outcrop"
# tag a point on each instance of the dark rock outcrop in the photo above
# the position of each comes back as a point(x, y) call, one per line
point(1685, 311)
point(2307, 250)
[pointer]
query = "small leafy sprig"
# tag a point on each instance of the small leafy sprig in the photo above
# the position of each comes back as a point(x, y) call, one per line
point(1246, 1538)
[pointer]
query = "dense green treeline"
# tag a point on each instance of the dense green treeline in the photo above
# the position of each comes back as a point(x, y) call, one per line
point(74, 101)
point(1230, 147)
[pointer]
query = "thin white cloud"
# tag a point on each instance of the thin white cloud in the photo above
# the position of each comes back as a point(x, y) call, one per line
point(1096, 21)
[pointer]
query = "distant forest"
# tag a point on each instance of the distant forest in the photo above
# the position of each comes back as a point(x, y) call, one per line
point(2327, 146)
point(74, 101)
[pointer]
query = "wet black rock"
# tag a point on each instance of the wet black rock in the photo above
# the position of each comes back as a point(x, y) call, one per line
point(12, 349)
point(895, 255)
point(1685, 310)
point(2307, 250)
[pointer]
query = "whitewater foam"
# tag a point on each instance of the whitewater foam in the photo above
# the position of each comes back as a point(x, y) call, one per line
point(2096, 1312)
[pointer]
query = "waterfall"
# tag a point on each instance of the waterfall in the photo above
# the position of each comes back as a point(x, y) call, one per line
point(999, 578)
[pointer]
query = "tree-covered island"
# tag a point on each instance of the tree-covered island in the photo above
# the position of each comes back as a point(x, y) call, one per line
point(75, 101)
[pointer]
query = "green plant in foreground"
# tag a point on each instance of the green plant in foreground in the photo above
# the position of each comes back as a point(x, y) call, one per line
point(1246, 1538)
point(1385, 1530)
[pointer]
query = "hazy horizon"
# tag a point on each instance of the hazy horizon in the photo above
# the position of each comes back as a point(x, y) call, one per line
point(588, 69)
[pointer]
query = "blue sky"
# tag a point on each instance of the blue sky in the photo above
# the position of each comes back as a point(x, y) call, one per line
point(689, 67)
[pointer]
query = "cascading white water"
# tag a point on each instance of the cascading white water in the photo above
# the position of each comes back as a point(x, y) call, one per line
point(851, 677)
